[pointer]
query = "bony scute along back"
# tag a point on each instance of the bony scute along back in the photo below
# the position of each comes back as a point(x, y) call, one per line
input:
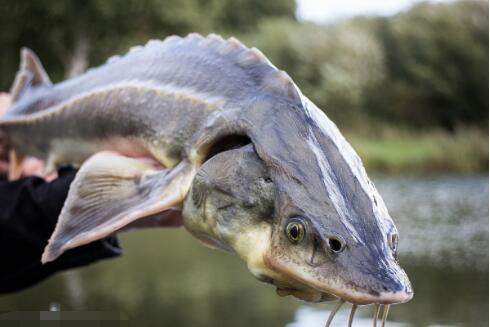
point(257, 167)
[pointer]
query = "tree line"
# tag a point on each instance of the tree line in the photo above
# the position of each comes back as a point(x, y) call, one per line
point(423, 68)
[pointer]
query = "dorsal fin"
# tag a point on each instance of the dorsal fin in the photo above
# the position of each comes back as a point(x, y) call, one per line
point(242, 65)
point(279, 82)
point(252, 59)
point(31, 73)
point(113, 59)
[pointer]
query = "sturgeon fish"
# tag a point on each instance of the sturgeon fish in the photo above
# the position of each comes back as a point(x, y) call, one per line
point(184, 102)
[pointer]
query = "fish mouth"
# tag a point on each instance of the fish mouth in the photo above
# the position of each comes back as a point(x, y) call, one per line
point(366, 298)
point(315, 295)
point(381, 303)
point(313, 291)
point(295, 282)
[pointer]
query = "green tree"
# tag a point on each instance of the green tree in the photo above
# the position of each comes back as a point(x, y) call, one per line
point(424, 68)
point(332, 65)
point(436, 64)
point(71, 34)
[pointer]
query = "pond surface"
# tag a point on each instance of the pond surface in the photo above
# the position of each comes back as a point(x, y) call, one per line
point(167, 278)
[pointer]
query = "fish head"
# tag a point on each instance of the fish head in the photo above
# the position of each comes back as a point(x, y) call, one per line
point(319, 259)
point(301, 211)
point(234, 204)
point(332, 235)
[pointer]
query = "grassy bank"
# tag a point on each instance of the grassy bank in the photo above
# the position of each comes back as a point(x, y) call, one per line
point(394, 150)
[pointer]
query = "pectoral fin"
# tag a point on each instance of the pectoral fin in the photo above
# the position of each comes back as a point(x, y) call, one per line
point(109, 192)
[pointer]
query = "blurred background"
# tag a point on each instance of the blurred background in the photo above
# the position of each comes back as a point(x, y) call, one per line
point(406, 82)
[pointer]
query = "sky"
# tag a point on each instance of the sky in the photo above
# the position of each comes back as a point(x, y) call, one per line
point(324, 11)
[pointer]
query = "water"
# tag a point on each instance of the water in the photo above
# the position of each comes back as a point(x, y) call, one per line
point(166, 278)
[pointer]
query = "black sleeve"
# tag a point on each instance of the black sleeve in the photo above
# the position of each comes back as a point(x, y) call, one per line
point(29, 209)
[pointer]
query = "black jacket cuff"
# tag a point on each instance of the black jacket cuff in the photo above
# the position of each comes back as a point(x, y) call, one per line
point(29, 209)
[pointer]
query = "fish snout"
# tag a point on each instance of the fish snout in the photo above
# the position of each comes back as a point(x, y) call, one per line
point(373, 296)
point(389, 286)
point(395, 297)
point(380, 281)
point(400, 294)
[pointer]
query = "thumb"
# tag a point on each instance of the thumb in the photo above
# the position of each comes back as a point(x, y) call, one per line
point(5, 100)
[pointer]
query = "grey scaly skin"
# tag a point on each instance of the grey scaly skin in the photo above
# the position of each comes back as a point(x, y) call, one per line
point(315, 226)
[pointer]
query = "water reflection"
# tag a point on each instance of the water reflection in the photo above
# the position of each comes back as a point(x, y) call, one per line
point(166, 278)
point(444, 220)
point(308, 317)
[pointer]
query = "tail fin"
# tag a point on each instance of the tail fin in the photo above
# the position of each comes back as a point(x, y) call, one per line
point(31, 73)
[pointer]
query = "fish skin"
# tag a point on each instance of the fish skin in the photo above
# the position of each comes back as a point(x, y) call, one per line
point(318, 176)
point(175, 98)
point(144, 86)
point(210, 66)
point(93, 121)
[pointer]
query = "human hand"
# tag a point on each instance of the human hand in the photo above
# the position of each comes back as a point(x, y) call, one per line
point(30, 166)
point(4, 153)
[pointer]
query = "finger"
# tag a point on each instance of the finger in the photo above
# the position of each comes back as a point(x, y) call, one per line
point(4, 149)
point(32, 166)
point(4, 169)
point(50, 177)
point(4, 102)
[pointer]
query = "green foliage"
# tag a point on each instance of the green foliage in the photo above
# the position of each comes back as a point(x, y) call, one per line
point(426, 68)
point(333, 65)
point(395, 150)
point(70, 32)
point(436, 65)
point(244, 15)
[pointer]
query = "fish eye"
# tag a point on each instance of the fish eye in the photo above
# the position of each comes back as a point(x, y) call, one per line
point(295, 231)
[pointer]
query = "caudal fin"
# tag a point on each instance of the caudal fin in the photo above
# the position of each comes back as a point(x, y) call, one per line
point(31, 74)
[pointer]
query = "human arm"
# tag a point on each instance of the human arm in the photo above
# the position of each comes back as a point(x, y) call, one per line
point(29, 209)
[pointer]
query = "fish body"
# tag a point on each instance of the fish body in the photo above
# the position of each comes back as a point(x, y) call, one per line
point(159, 96)
point(312, 223)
